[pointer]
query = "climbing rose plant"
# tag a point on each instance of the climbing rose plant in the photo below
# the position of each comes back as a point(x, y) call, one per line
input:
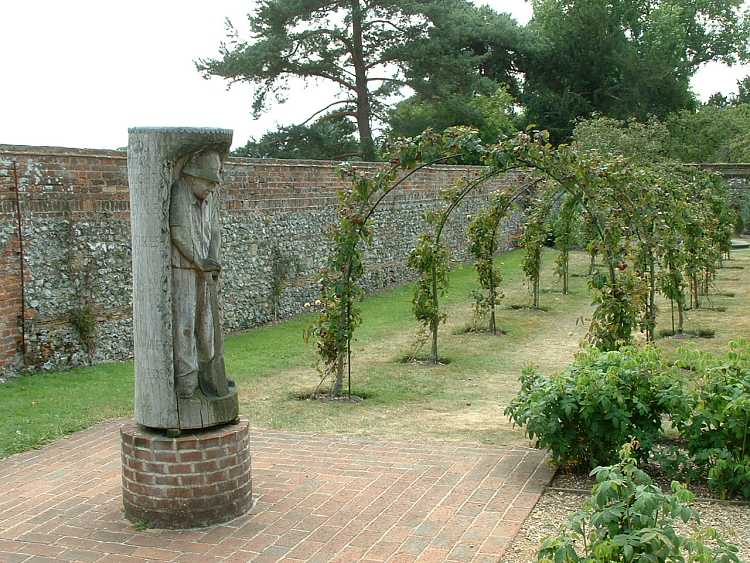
point(645, 244)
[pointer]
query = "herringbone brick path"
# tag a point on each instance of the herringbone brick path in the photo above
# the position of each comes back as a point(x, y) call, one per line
point(318, 498)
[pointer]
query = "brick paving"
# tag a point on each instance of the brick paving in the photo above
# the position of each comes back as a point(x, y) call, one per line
point(318, 498)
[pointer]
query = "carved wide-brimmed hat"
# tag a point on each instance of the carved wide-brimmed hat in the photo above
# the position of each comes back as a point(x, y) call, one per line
point(205, 165)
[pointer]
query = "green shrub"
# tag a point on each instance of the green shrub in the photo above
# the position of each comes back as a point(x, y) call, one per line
point(730, 475)
point(676, 463)
point(628, 518)
point(83, 319)
point(599, 402)
point(716, 423)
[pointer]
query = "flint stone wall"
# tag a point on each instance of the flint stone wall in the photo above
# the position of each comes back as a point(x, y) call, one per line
point(76, 238)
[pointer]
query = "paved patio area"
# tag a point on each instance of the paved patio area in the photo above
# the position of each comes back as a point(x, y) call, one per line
point(318, 498)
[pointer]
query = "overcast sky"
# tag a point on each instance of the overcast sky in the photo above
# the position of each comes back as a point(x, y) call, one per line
point(78, 73)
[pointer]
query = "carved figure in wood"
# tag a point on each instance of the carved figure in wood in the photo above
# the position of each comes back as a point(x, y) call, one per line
point(195, 233)
point(173, 175)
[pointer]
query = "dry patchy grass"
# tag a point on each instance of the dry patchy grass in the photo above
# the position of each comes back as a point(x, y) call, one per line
point(463, 400)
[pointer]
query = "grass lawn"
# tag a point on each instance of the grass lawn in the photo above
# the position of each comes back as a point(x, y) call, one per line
point(463, 399)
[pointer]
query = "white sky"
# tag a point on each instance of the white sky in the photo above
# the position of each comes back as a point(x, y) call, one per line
point(78, 73)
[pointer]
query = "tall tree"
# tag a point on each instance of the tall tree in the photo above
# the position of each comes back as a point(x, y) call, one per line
point(492, 114)
point(629, 58)
point(326, 138)
point(743, 91)
point(479, 89)
point(713, 133)
point(369, 49)
point(467, 50)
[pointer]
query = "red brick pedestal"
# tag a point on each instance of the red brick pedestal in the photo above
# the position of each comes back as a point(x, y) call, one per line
point(198, 479)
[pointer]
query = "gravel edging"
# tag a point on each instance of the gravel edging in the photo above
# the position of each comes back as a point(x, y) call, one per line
point(553, 508)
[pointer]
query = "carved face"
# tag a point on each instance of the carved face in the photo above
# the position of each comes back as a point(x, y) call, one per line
point(203, 172)
point(201, 187)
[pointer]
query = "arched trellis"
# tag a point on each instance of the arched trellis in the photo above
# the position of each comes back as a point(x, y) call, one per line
point(599, 185)
point(338, 340)
point(334, 327)
point(537, 155)
point(483, 238)
point(589, 182)
point(431, 259)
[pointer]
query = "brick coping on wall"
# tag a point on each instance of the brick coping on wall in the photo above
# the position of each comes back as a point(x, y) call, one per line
point(31, 150)
point(76, 231)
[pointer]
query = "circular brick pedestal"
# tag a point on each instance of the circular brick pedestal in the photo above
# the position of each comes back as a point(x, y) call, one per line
point(198, 479)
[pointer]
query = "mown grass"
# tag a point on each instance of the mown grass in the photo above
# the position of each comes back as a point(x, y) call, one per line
point(463, 399)
point(40, 408)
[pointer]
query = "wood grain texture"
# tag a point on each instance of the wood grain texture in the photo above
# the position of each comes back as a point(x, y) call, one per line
point(155, 155)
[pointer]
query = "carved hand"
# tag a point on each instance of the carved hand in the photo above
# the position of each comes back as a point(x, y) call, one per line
point(209, 265)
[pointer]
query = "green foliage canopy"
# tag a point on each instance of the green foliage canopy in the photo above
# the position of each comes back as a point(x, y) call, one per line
point(632, 58)
point(711, 134)
point(369, 50)
point(325, 139)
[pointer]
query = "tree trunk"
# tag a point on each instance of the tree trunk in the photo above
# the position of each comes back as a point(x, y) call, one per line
point(339, 383)
point(651, 301)
point(493, 293)
point(435, 322)
point(566, 263)
point(434, 358)
point(695, 284)
point(671, 305)
point(363, 95)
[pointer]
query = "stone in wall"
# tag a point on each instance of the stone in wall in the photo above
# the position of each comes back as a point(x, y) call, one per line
point(77, 265)
point(77, 234)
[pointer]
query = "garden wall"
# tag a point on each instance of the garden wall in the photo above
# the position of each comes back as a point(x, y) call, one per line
point(76, 245)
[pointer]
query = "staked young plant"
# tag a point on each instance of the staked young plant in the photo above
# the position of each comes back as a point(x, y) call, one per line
point(535, 234)
point(483, 232)
point(339, 313)
point(715, 202)
point(619, 307)
point(565, 239)
point(430, 259)
point(590, 241)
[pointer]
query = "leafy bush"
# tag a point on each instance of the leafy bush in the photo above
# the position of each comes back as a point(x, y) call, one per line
point(83, 319)
point(729, 475)
point(628, 518)
point(676, 463)
point(599, 402)
point(716, 423)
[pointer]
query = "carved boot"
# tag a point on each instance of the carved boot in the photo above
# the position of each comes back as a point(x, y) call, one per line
point(186, 384)
point(212, 379)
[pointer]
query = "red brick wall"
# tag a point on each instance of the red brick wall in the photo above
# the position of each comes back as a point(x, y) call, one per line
point(74, 204)
point(10, 303)
point(62, 190)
